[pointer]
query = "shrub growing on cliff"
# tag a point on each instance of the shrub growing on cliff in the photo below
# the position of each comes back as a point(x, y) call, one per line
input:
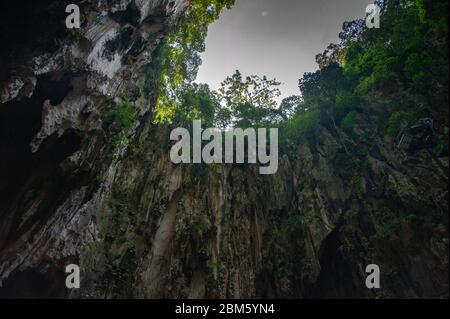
point(120, 121)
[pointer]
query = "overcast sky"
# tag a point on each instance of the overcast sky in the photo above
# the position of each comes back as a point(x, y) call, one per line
point(277, 38)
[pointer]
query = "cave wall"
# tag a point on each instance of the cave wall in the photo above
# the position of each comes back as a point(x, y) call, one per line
point(54, 85)
point(225, 231)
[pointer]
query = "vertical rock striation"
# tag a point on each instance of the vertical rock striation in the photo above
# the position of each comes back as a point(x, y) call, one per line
point(54, 86)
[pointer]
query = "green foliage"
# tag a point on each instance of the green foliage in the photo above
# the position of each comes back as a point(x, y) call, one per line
point(254, 90)
point(442, 143)
point(406, 189)
point(391, 75)
point(299, 125)
point(289, 106)
point(248, 101)
point(193, 226)
point(394, 75)
point(391, 224)
point(331, 148)
point(416, 70)
point(75, 33)
point(223, 118)
point(178, 58)
point(350, 216)
point(297, 225)
point(285, 253)
point(120, 121)
point(349, 120)
point(197, 102)
point(199, 224)
point(397, 121)
point(356, 181)
point(405, 58)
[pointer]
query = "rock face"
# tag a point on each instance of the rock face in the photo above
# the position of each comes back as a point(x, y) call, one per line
point(140, 226)
point(54, 86)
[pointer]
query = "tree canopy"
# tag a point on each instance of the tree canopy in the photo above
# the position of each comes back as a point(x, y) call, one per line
point(385, 78)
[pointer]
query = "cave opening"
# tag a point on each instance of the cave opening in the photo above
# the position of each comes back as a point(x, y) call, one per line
point(278, 39)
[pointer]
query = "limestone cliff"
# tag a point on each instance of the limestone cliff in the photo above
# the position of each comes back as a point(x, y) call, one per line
point(140, 226)
point(55, 84)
